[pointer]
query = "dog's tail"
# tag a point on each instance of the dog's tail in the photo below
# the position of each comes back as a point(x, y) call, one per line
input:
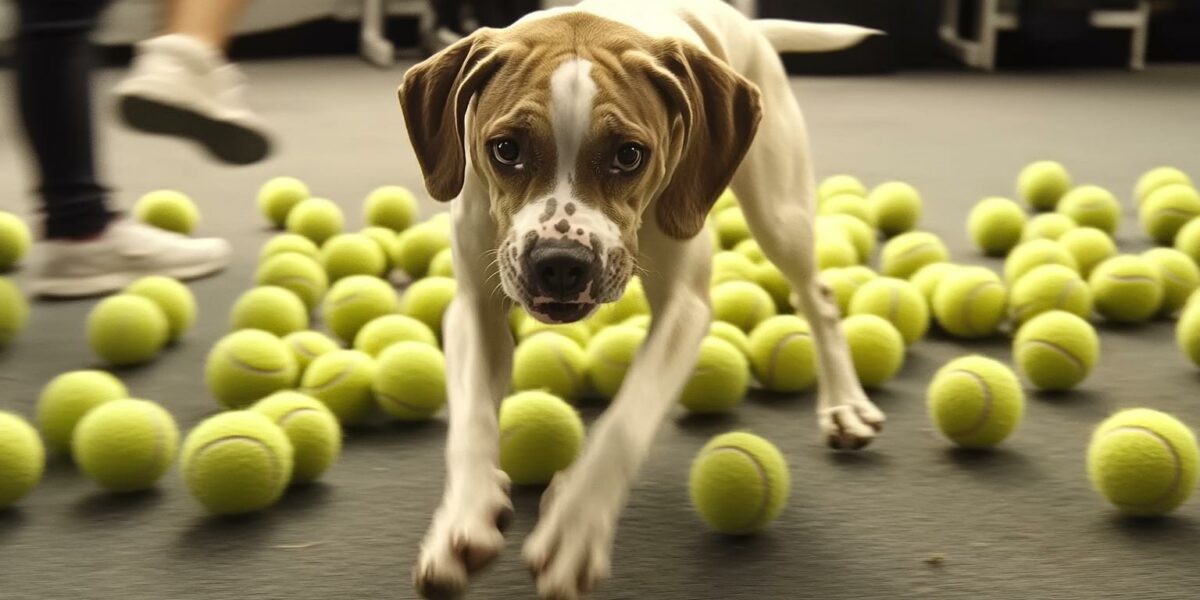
point(798, 36)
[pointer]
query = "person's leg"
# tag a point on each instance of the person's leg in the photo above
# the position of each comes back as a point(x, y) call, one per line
point(210, 21)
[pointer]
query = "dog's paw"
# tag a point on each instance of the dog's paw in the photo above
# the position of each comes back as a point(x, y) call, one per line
point(465, 536)
point(568, 553)
point(850, 425)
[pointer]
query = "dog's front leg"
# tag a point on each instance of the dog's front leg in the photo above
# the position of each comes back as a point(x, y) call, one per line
point(569, 550)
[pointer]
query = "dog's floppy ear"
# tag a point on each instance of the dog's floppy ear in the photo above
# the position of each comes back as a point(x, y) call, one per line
point(434, 97)
point(719, 111)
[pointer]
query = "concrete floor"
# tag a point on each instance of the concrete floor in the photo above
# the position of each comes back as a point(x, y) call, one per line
point(1019, 522)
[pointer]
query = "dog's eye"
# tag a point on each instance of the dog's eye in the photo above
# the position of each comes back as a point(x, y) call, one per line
point(628, 158)
point(506, 152)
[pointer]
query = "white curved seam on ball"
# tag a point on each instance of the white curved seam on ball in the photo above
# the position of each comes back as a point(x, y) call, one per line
point(762, 474)
point(986, 412)
point(566, 366)
point(893, 303)
point(346, 372)
point(1174, 457)
point(295, 412)
point(966, 305)
point(238, 363)
point(1133, 278)
point(771, 364)
point(1065, 293)
point(276, 467)
point(1060, 350)
point(400, 403)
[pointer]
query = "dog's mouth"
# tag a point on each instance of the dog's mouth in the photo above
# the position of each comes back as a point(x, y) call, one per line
point(555, 313)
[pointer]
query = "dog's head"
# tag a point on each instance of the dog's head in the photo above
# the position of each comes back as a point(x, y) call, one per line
point(578, 124)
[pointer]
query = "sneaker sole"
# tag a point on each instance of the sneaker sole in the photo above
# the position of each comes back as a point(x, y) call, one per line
point(229, 142)
point(99, 285)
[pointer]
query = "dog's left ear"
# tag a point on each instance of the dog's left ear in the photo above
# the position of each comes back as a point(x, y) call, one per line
point(719, 111)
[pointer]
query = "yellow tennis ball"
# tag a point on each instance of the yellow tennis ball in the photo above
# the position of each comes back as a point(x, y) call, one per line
point(1047, 226)
point(1041, 184)
point(427, 300)
point(125, 445)
point(906, 253)
point(835, 251)
point(995, 225)
point(852, 205)
point(861, 235)
point(317, 219)
point(1056, 350)
point(288, 242)
point(1047, 288)
point(739, 483)
point(1180, 277)
point(1143, 461)
point(390, 206)
point(376, 336)
point(348, 254)
point(726, 200)
point(841, 184)
point(896, 300)
point(342, 379)
point(297, 273)
point(741, 303)
point(771, 280)
point(278, 196)
point(1092, 206)
point(313, 431)
point(127, 330)
point(1033, 254)
point(719, 379)
point(929, 278)
point(728, 265)
point(843, 282)
point(411, 382)
point(1089, 247)
point(14, 240)
point(1127, 289)
point(876, 347)
point(355, 301)
point(1166, 210)
point(169, 210)
point(609, 356)
point(70, 396)
point(272, 309)
point(578, 331)
point(442, 264)
point(720, 329)
point(782, 355)
point(1156, 178)
point(551, 362)
point(970, 302)
point(22, 458)
point(540, 435)
point(896, 207)
point(14, 311)
point(751, 250)
point(248, 365)
point(308, 345)
point(632, 302)
point(731, 227)
point(1187, 240)
point(416, 247)
point(975, 401)
point(173, 297)
point(385, 239)
point(237, 462)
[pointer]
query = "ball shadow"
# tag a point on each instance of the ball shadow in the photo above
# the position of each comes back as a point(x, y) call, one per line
point(12, 519)
point(104, 506)
point(216, 535)
point(306, 496)
point(858, 459)
point(991, 462)
point(706, 423)
point(1154, 529)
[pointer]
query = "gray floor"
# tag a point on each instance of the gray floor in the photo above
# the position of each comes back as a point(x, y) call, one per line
point(1020, 522)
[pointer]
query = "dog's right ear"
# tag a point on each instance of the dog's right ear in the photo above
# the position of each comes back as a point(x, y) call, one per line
point(434, 97)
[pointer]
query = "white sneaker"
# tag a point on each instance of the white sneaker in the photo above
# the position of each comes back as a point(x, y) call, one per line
point(180, 86)
point(126, 251)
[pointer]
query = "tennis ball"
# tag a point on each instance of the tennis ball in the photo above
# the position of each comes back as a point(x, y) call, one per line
point(642, 321)
point(841, 184)
point(307, 345)
point(609, 356)
point(278, 196)
point(1187, 240)
point(14, 240)
point(14, 311)
point(289, 242)
point(390, 206)
point(411, 383)
point(385, 239)
point(751, 250)
point(296, 273)
point(441, 220)
point(427, 300)
point(376, 336)
point(906, 253)
point(835, 251)
point(1050, 287)
point(728, 265)
point(1187, 333)
point(995, 225)
point(173, 297)
point(551, 362)
point(975, 401)
point(355, 301)
point(248, 365)
point(1167, 210)
point(442, 264)
point(1180, 277)
point(313, 431)
point(127, 330)
point(1089, 247)
point(632, 302)
point(269, 308)
point(929, 277)
point(1041, 184)
point(237, 462)
point(851, 205)
point(861, 235)
point(1056, 350)
point(1047, 226)
point(167, 209)
point(771, 279)
point(729, 333)
point(741, 303)
point(1092, 206)
point(1156, 178)
point(416, 247)
point(782, 354)
point(577, 332)
point(342, 379)
point(739, 483)
point(726, 200)
point(731, 227)
point(22, 458)
point(1143, 461)
point(1033, 254)
point(1127, 289)
point(348, 254)
point(719, 379)
point(970, 302)
point(540, 435)
point(125, 445)
point(876, 347)
point(896, 300)
point(317, 219)
point(896, 207)
point(68, 397)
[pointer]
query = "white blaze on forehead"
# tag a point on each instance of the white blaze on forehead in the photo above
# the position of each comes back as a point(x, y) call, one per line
point(572, 94)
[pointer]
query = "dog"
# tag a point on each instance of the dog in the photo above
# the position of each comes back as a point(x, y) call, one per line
point(578, 146)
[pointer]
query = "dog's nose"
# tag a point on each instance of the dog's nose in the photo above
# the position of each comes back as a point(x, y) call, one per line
point(561, 271)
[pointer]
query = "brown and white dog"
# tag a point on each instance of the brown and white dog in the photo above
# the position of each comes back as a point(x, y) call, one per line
point(578, 145)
